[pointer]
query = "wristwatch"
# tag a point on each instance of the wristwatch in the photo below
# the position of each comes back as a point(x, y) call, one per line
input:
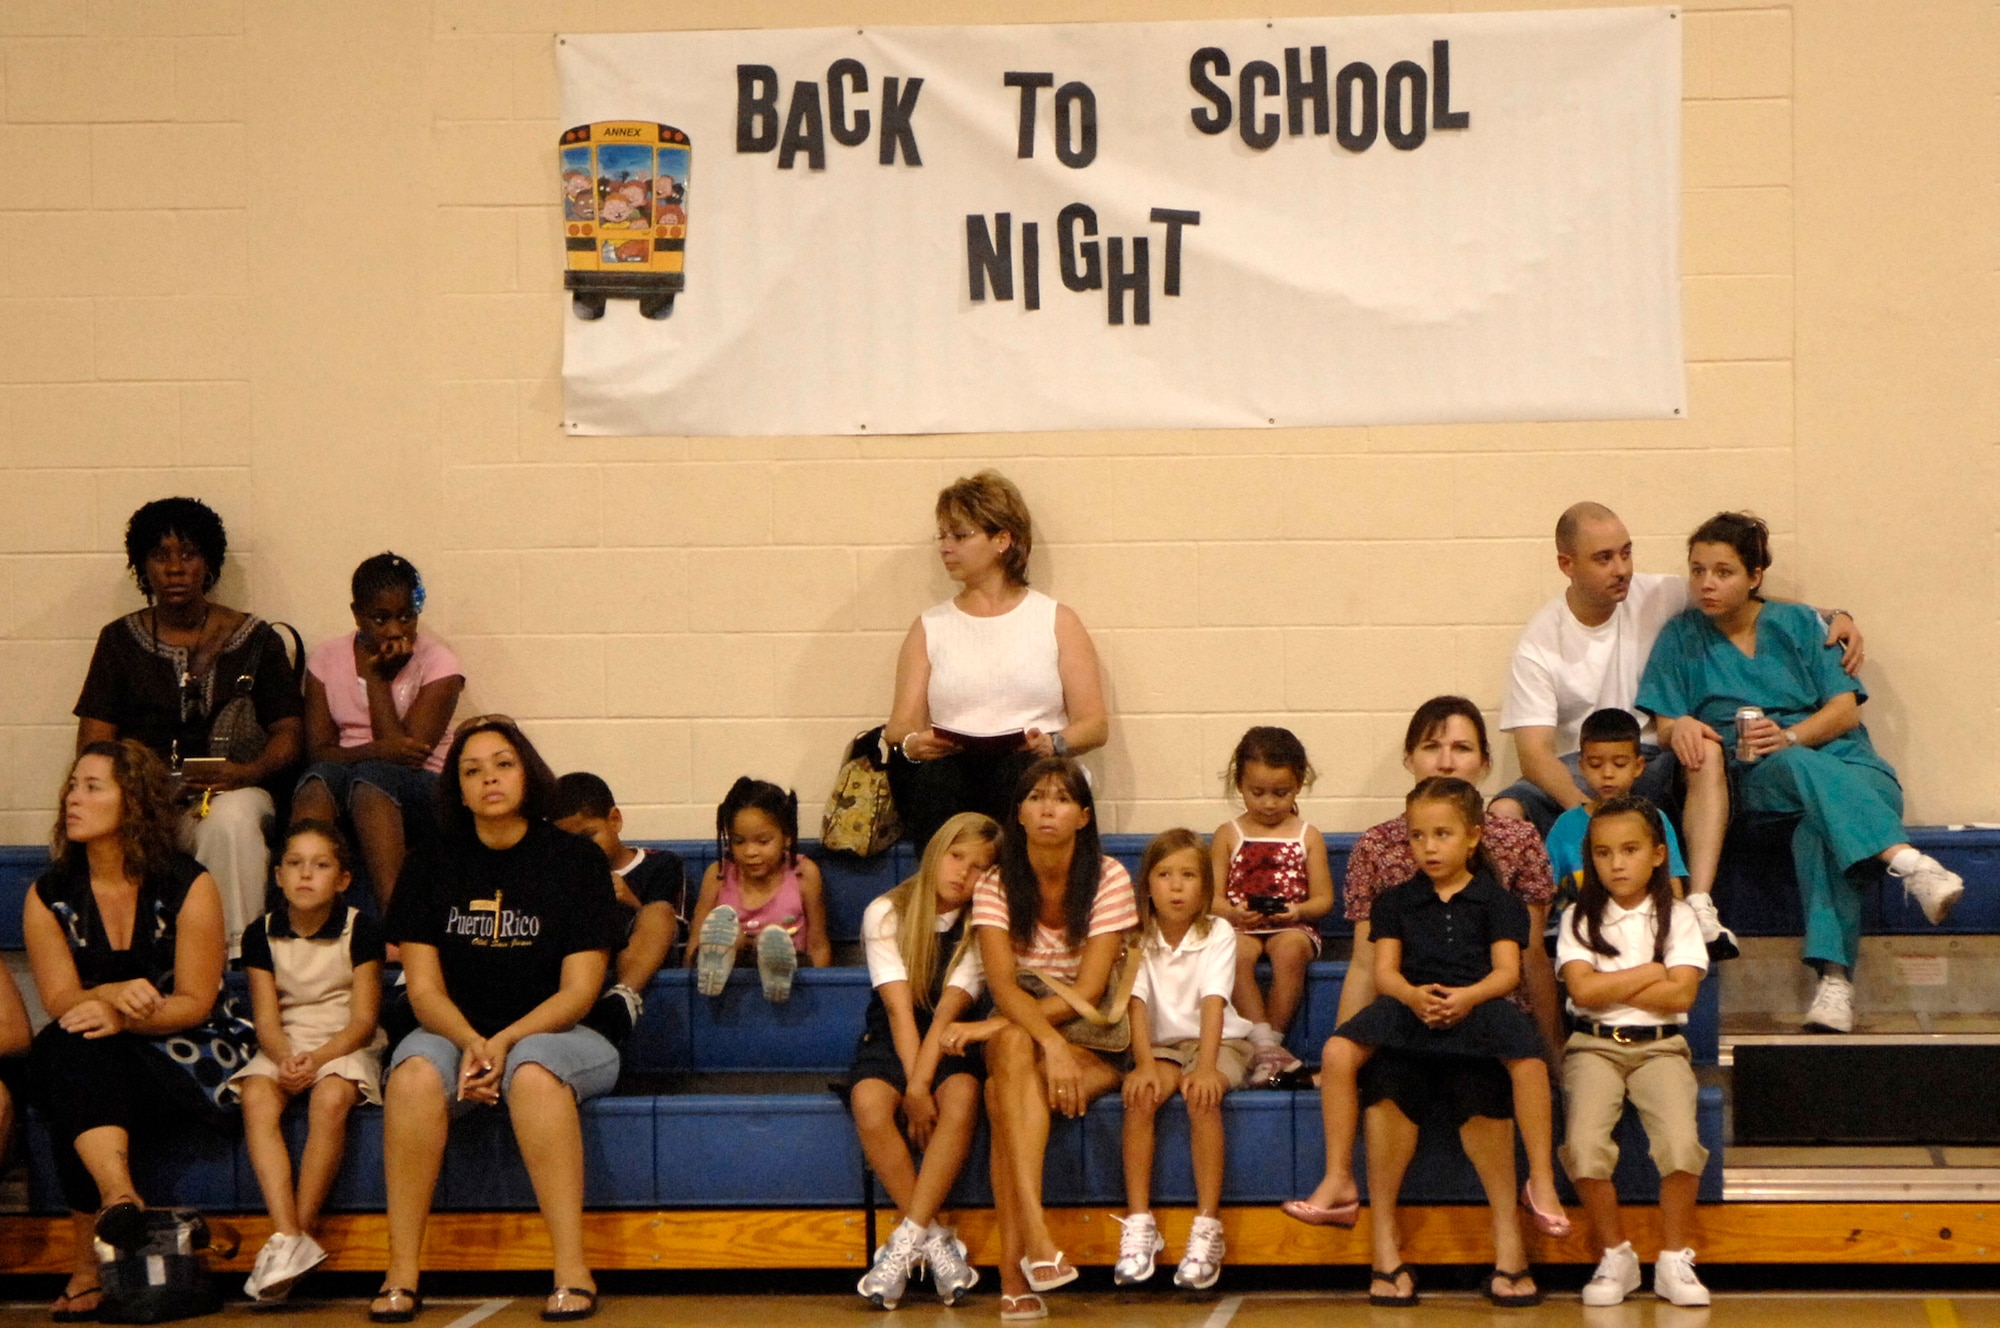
point(1059, 744)
point(1791, 737)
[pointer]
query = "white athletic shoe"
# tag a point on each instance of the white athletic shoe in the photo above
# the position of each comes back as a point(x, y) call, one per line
point(1721, 941)
point(884, 1282)
point(777, 964)
point(951, 1275)
point(1936, 888)
point(1202, 1263)
point(280, 1264)
point(1138, 1243)
point(1833, 1006)
point(1674, 1280)
point(1617, 1277)
point(715, 953)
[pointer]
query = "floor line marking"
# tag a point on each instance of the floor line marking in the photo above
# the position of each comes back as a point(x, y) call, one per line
point(1941, 1314)
point(485, 1310)
point(1220, 1316)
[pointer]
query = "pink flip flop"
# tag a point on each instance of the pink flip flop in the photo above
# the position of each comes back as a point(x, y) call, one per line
point(1549, 1224)
point(1343, 1215)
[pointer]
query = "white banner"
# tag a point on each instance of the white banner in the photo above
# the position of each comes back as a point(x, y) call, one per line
point(1454, 217)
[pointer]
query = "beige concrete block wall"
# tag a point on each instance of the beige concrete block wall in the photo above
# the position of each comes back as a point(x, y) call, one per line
point(301, 260)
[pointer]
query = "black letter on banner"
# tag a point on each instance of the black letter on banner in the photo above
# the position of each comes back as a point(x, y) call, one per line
point(1080, 96)
point(848, 136)
point(1175, 219)
point(756, 111)
point(1134, 281)
point(1199, 66)
point(1412, 73)
point(805, 131)
point(1351, 76)
point(1031, 264)
point(1299, 91)
point(1028, 84)
point(1442, 116)
point(984, 258)
point(1092, 275)
point(1257, 135)
point(896, 113)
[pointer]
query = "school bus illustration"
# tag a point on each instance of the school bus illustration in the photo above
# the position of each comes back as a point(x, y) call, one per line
point(625, 221)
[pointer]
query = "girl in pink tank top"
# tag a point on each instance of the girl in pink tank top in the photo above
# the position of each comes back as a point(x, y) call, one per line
point(759, 896)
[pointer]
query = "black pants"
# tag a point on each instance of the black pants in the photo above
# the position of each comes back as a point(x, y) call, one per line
point(84, 1084)
point(929, 793)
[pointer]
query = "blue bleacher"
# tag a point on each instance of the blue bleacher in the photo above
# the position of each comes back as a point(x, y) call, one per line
point(789, 1144)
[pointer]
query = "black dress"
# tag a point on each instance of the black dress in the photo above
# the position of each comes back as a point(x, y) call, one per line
point(1448, 942)
point(875, 1055)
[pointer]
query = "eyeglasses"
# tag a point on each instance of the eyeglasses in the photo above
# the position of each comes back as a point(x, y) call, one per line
point(957, 536)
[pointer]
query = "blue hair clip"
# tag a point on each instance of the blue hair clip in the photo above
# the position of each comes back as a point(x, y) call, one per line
point(416, 588)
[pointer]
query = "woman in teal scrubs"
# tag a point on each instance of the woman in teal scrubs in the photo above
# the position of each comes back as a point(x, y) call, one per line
point(1814, 759)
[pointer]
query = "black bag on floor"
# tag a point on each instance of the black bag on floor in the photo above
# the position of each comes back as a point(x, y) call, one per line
point(163, 1278)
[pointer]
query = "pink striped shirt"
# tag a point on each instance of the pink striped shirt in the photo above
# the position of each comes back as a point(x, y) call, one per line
point(1115, 909)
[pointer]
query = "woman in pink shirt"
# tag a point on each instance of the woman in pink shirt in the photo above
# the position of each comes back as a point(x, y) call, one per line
point(1057, 905)
point(378, 720)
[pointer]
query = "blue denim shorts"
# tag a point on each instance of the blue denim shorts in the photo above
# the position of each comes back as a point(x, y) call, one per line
point(414, 791)
point(580, 1057)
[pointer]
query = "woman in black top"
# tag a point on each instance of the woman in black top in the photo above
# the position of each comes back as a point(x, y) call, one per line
point(124, 936)
point(506, 928)
point(167, 673)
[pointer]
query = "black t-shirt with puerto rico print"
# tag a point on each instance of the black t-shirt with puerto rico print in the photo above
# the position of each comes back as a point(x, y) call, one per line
point(503, 920)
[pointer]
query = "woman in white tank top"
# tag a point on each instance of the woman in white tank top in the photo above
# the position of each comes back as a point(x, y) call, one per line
point(992, 678)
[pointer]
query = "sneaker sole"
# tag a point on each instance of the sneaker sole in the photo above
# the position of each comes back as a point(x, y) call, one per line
point(716, 955)
point(1937, 913)
point(777, 964)
point(1190, 1285)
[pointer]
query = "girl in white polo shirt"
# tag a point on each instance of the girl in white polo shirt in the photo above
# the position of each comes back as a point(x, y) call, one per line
point(1632, 958)
point(1186, 1038)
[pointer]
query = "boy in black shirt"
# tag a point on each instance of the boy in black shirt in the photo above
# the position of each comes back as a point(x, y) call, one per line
point(651, 886)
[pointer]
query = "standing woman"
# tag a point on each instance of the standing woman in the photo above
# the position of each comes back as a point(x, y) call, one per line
point(378, 714)
point(124, 936)
point(998, 661)
point(1057, 905)
point(506, 925)
point(171, 675)
point(1813, 758)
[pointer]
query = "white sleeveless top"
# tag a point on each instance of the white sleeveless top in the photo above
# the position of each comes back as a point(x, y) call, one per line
point(995, 675)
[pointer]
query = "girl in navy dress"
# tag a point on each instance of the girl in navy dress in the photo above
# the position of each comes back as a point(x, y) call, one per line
point(1447, 948)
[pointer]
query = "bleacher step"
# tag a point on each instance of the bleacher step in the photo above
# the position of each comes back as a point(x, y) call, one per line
point(1837, 1174)
point(1873, 1086)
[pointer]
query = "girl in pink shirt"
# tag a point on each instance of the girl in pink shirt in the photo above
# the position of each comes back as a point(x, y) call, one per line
point(379, 703)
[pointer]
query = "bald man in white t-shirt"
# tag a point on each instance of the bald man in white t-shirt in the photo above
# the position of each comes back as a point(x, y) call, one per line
point(1585, 650)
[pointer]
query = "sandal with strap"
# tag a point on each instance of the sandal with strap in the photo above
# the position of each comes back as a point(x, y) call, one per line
point(1517, 1300)
point(66, 1309)
point(1555, 1225)
point(1392, 1302)
point(1343, 1215)
point(403, 1305)
point(1058, 1272)
point(558, 1310)
point(1017, 1309)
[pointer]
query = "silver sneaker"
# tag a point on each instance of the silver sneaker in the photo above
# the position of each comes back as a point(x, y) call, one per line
point(1833, 1006)
point(1674, 1280)
point(883, 1283)
point(1202, 1264)
point(1138, 1243)
point(1617, 1277)
point(951, 1275)
point(1936, 888)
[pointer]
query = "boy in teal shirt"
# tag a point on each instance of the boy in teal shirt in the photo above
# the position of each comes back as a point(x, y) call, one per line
point(1611, 762)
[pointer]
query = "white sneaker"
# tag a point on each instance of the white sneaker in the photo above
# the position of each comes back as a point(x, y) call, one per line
point(1138, 1242)
point(1617, 1277)
point(951, 1275)
point(268, 1258)
point(1202, 1263)
point(300, 1257)
point(1934, 886)
point(1833, 1006)
point(715, 953)
point(883, 1283)
point(1674, 1280)
point(1721, 941)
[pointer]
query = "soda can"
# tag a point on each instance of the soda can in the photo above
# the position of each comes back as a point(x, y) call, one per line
point(1744, 714)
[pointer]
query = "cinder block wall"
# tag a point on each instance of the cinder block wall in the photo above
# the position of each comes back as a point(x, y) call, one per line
point(302, 260)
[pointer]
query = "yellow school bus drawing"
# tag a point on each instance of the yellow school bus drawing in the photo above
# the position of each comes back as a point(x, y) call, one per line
point(625, 214)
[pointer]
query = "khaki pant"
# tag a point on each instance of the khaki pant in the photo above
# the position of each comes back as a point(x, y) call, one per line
point(1232, 1058)
point(1599, 1074)
point(230, 843)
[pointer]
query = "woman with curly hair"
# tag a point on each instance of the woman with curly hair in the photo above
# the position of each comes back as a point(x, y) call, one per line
point(124, 936)
point(171, 674)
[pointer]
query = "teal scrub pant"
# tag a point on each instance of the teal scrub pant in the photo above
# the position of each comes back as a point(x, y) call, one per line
point(1850, 811)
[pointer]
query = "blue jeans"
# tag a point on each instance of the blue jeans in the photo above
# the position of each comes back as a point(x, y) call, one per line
point(1655, 784)
point(579, 1056)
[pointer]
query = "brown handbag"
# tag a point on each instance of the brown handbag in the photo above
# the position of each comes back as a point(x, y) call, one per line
point(1105, 1026)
